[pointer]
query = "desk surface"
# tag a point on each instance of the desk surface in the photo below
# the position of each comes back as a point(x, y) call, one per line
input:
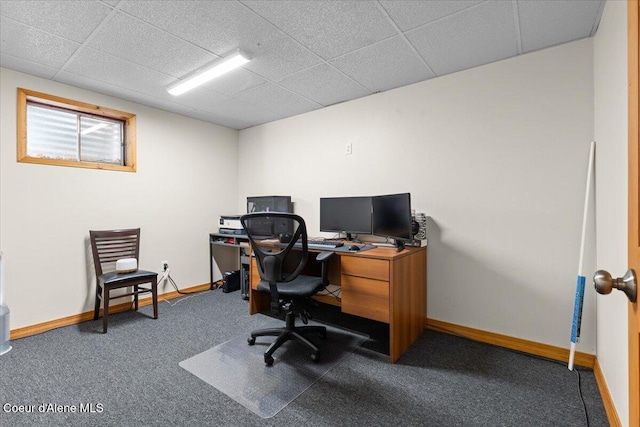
point(382, 252)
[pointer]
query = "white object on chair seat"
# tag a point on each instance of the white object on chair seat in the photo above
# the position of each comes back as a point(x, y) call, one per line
point(126, 265)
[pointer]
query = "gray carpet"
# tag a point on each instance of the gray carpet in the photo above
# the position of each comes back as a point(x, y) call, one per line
point(133, 373)
point(238, 369)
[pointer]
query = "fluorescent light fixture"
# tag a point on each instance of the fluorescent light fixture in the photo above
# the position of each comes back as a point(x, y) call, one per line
point(218, 68)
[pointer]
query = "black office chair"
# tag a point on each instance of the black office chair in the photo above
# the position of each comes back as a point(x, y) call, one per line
point(279, 266)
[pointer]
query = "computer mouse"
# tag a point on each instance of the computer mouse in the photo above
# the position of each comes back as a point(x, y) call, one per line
point(354, 248)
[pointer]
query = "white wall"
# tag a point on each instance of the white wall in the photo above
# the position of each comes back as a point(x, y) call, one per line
point(185, 179)
point(610, 92)
point(496, 155)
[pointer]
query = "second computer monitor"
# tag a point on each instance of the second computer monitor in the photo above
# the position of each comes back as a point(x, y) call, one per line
point(350, 215)
point(392, 216)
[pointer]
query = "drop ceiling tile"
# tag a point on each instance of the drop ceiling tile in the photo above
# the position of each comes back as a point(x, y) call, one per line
point(73, 20)
point(94, 85)
point(160, 104)
point(24, 66)
point(329, 28)
point(277, 56)
point(200, 98)
point(473, 37)
point(32, 44)
point(384, 65)
point(235, 82)
point(245, 112)
point(196, 21)
point(140, 43)
point(218, 119)
point(274, 54)
point(119, 72)
point(274, 98)
point(546, 23)
point(324, 85)
point(412, 14)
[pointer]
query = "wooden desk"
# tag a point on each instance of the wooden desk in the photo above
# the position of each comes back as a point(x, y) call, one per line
point(380, 284)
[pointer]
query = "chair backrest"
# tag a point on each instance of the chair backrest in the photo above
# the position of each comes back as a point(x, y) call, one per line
point(108, 246)
point(273, 236)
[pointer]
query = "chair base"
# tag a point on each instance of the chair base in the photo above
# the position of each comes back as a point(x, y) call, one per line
point(289, 332)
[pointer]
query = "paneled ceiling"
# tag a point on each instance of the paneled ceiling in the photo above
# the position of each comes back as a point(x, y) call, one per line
point(306, 54)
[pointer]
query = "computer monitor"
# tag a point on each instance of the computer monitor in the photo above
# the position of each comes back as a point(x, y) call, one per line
point(350, 215)
point(269, 204)
point(392, 217)
point(266, 227)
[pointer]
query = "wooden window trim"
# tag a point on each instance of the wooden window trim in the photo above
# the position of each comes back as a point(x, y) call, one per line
point(25, 95)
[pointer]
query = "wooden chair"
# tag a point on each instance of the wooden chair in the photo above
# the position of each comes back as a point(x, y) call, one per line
point(108, 246)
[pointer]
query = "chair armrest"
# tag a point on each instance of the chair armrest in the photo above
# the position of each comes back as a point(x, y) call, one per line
point(324, 257)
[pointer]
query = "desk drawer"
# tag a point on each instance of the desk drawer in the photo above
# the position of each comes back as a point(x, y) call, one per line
point(377, 269)
point(365, 298)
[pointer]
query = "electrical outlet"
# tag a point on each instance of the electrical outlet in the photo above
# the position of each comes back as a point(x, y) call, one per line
point(348, 149)
point(165, 265)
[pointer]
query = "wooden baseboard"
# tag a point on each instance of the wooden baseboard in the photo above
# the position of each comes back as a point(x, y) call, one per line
point(83, 317)
point(609, 407)
point(518, 344)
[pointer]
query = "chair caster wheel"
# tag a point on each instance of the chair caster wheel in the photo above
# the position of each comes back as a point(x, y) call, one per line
point(251, 340)
point(315, 357)
point(268, 360)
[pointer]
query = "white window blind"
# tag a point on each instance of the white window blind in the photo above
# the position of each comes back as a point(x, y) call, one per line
point(54, 133)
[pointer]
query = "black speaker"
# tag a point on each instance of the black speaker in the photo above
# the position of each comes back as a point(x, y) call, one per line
point(419, 226)
point(415, 227)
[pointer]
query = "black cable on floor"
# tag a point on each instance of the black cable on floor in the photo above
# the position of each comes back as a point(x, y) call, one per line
point(584, 405)
point(337, 293)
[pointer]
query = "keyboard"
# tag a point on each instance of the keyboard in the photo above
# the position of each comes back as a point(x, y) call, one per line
point(321, 244)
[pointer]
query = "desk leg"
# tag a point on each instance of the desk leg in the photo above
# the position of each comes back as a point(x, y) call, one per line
point(210, 265)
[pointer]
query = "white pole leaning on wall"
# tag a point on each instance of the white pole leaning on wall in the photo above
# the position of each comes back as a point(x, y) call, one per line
point(579, 299)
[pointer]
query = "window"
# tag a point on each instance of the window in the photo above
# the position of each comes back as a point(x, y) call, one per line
point(63, 132)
